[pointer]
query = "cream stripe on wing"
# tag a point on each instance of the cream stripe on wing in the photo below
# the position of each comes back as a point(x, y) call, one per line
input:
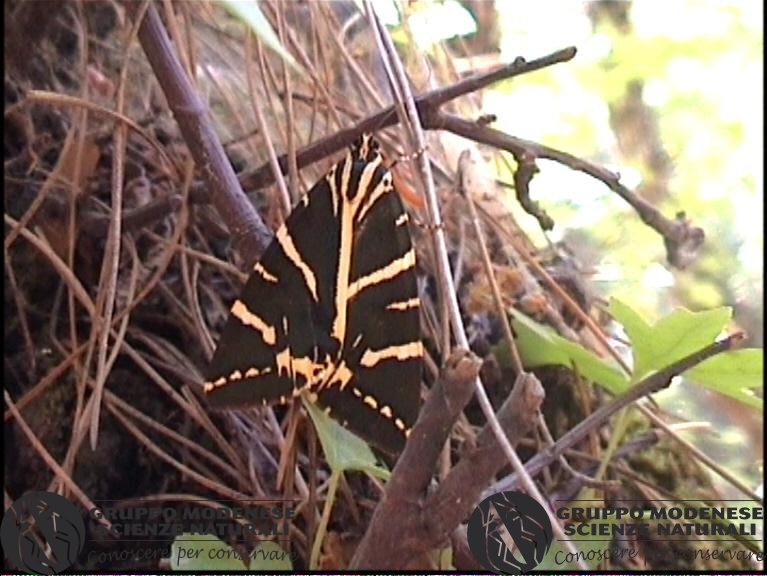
point(233, 377)
point(241, 312)
point(348, 209)
point(290, 250)
point(261, 271)
point(391, 270)
point(344, 264)
point(401, 352)
point(366, 177)
point(384, 186)
point(331, 179)
point(405, 304)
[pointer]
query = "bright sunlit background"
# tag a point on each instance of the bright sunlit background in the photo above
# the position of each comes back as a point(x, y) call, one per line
point(669, 95)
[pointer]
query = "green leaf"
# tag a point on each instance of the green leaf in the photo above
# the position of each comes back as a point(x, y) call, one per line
point(539, 345)
point(735, 373)
point(249, 12)
point(343, 450)
point(670, 339)
point(270, 557)
point(203, 552)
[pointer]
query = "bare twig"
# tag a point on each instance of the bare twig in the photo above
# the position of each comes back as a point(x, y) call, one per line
point(681, 239)
point(262, 176)
point(596, 419)
point(445, 279)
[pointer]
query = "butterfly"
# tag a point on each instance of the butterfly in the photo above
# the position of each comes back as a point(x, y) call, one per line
point(332, 310)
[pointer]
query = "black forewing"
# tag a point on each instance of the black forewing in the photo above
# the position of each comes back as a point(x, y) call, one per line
point(281, 298)
point(381, 239)
point(372, 379)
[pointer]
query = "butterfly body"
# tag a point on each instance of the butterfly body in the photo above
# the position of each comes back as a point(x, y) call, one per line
point(332, 309)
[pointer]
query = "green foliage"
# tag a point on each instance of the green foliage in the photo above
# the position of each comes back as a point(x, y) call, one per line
point(655, 347)
point(677, 335)
point(735, 374)
point(540, 346)
point(343, 450)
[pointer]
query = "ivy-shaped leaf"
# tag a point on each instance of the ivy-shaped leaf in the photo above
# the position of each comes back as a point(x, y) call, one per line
point(343, 450)
point(736, 374)
point(656, 346)
point(539, 346)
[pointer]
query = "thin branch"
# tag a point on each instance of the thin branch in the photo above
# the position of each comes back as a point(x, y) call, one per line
point(262, 176)
point(598, 418)
point(681, 239)
point(445, 278)
point(412, 120)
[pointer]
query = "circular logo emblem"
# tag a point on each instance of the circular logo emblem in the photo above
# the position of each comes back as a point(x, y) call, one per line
point(42, 532)
point(509, 532)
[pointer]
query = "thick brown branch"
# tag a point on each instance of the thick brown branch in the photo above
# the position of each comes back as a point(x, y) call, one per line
point(461, 490)
point(423, 525)
point(250, 234)
point(382, 545)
